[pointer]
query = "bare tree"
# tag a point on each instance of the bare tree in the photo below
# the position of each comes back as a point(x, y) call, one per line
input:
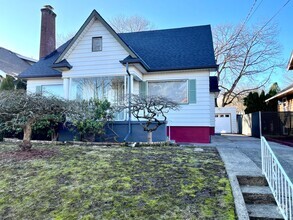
point(247, 56)
point(19, 110)
point(63, 38)
point(150, 111)
point(123, 24)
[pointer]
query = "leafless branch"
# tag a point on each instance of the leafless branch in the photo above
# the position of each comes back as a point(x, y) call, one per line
point(123, 24)
point(250, 55)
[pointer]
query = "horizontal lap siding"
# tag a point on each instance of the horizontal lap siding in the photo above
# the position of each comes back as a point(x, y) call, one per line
point(212, 109)
point(32, 83)
point(87, 63)
point(197, 114)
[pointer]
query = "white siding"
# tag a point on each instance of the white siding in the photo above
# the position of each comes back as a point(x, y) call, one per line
point(32, 83)
point(135, 87)
point(212, 109)
point(101, 63)
point(106, 63)
point(197, 114)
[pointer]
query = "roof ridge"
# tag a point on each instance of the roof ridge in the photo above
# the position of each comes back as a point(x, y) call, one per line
point(167, 29)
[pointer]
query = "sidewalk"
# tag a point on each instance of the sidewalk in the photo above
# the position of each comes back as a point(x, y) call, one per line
point(242, 157)
point(235, 147)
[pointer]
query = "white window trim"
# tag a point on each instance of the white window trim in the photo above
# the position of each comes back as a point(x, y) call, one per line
point(101, 48)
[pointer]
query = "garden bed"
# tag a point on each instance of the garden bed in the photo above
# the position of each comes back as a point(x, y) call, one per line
point(95, 182)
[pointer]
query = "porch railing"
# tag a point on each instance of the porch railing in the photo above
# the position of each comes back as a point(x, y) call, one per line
point(278, 180)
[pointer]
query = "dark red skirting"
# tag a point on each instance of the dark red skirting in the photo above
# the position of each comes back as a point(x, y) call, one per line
point(184, 134)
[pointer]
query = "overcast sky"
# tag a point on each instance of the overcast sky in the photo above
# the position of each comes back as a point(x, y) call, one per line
point(20, 20)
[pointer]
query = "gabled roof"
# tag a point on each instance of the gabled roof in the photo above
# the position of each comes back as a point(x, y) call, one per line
point(287, 91)
point(12, 63)
point(160, 50)
point(173, 49)
point(95, 15)
point(44, 67)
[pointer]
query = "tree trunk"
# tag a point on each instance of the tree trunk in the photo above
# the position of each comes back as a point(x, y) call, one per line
point(27, 134)
point(150, 137)
point(54, 135)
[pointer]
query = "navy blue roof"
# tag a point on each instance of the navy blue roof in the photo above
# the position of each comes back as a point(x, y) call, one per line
point(44, 67)
point(173, 49)
point(170, 49)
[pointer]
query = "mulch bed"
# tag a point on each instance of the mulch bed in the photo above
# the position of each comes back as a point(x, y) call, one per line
point(28, 155)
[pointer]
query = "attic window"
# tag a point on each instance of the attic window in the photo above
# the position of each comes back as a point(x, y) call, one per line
point(96, 44)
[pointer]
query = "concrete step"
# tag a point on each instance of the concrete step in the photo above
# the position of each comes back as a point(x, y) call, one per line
point(257, 195)
point(252, 180)
point(263, 211)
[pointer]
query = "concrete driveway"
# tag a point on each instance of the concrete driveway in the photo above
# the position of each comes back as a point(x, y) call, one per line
point(242, 157)
point(232, 145)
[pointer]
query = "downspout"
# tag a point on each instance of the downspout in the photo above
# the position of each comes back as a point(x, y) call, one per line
point(129, 103)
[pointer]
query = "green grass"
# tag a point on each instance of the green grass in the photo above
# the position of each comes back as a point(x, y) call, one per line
point(116, 183)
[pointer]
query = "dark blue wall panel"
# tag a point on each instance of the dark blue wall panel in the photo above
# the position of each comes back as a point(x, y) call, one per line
point(117, 131)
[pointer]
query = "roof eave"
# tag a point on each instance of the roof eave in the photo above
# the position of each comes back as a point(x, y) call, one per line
point(281, 94)
point(210, 68)
point(63, 66)
point(136, 61)
point(41, 76)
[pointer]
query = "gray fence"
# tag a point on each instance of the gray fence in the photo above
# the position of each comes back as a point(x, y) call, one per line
point(269, 124)
point(249, 124)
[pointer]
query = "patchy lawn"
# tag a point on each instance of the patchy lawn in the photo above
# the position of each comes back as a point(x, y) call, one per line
point(71, 182)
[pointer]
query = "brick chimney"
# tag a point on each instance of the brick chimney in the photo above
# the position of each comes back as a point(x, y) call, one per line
point(48, 37)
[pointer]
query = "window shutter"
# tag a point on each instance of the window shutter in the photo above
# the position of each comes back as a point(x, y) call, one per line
point(192, 91)
point(39, 90)
point(143, 88)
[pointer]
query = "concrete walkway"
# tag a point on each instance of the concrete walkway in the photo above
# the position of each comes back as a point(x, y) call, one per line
point(234, 147)
point(242, 157)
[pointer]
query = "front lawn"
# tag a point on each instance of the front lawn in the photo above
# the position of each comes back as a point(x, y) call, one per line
point(88, 182)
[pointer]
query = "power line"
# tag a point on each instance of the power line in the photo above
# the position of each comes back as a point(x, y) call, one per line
point(256, 9)
point(274, 15)
point(242, 26)
point(249, 13)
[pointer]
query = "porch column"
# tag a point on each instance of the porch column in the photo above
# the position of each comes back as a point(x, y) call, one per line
point(66, 87)
point(131, 89)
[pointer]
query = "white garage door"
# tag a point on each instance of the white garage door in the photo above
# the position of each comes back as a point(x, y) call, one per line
point(223, 123)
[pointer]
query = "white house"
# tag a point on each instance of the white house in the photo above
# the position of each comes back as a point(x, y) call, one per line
point(175, 63)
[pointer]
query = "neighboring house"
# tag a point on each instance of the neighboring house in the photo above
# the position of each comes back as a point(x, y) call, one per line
point(12, 63)
point(175, 63)
point(285, 97)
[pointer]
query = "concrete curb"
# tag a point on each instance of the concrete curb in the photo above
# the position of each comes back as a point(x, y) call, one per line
point(241, 210)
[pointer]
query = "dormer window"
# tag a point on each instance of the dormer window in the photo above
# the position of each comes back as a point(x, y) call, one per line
point(97, 44)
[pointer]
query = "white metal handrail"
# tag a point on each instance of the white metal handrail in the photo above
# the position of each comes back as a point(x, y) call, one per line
point(278, 180)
